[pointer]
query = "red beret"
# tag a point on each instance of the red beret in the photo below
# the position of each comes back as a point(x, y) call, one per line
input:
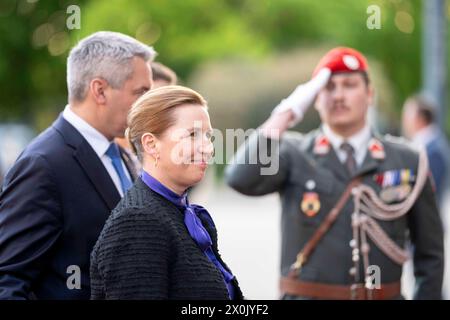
point(342, 59)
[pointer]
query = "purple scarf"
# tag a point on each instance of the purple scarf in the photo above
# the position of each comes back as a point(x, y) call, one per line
point(193, 224)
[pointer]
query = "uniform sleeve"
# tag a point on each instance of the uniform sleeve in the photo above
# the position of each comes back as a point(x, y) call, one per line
point(426, 234)
point(131, 259)
point(30, 225)
point(260, 166)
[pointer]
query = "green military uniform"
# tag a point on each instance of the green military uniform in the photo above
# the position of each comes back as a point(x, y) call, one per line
point(311, 180)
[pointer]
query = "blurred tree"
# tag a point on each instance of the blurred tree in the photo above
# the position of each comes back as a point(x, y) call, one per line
point(34, 41)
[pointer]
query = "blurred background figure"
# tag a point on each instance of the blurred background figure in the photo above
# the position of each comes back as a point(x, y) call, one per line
point(162, 76)
point(419, 125)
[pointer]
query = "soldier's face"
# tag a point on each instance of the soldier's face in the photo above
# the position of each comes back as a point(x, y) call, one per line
point(344, 102)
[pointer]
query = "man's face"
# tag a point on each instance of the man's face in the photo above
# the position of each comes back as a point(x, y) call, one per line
point(119, 101)
point(345, 100)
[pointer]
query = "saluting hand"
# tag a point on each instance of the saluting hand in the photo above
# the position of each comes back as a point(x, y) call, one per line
point(291, 110)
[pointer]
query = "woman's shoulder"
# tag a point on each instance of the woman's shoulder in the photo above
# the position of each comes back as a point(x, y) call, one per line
point(140, 199)
point(140, 204)
point(133, 221)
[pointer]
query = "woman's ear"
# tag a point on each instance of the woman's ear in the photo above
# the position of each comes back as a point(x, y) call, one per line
point(150, 144)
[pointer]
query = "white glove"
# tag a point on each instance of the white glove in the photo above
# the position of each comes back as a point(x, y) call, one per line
point(303, 96)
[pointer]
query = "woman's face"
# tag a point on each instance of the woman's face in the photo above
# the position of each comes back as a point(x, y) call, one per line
point(185, 148)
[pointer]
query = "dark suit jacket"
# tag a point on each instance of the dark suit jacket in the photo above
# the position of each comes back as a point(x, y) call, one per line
point(55, 201)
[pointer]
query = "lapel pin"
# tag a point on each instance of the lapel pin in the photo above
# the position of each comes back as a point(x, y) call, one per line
point(376, 149)
point(321, 145)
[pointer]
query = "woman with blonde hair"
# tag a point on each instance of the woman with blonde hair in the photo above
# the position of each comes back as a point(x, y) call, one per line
point(156, 245)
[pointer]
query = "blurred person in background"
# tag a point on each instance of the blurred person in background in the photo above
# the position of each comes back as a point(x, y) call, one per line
point(349, 197)
point(62, 188)
point(419, 125)
point(161, 76)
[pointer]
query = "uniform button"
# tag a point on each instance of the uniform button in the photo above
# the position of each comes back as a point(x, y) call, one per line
point(310, 184)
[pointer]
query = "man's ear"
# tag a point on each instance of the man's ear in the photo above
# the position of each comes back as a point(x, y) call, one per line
point(150, 144)
point(97, 89)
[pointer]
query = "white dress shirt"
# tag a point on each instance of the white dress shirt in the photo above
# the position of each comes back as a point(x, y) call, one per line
point(359, 141)
point(98, 142)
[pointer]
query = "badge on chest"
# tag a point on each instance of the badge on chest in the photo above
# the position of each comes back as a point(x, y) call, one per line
point(310, 204)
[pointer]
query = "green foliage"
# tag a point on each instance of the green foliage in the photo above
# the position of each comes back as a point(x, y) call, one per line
point(189, 33)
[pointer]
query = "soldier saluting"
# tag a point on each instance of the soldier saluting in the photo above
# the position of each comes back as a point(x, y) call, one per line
point(350, 198)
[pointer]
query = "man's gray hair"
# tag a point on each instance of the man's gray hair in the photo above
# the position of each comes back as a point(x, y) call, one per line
point(106, 55)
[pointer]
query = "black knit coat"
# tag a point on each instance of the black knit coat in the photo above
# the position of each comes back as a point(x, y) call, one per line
point(145, 252)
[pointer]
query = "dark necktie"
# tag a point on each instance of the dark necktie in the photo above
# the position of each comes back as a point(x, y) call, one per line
point(350, 161)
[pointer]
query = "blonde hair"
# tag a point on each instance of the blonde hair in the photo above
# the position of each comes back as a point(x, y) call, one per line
point(154, 112)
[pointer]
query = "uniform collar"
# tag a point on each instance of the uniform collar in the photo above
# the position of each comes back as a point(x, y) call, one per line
point(359, 141)
point(372, 152)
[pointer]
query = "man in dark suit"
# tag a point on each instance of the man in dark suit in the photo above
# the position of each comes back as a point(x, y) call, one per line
point(63, 186)
point(418, 122)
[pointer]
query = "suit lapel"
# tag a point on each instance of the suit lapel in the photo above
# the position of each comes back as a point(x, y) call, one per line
point(89, 162)
point(97, 174)
point(331, 161)
point(375, 155)
point(368, 165)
